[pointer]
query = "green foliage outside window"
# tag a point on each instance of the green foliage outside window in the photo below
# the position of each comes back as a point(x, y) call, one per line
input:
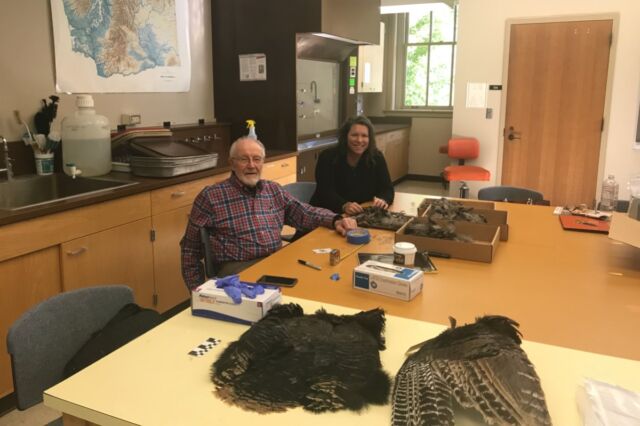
point(429, 57)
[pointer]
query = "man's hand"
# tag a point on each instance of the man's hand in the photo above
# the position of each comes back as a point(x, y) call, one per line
point(352, 208)
point(379, 202)
point(344, 224)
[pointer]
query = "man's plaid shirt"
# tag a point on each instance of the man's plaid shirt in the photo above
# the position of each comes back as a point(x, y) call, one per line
point(245, 223)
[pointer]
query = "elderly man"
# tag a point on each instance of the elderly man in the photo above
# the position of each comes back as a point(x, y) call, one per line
point(245, 215)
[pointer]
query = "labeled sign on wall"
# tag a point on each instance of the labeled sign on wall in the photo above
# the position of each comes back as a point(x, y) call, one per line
point(253, 67)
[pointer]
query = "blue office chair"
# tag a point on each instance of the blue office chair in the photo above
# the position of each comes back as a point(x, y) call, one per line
point(45, 338)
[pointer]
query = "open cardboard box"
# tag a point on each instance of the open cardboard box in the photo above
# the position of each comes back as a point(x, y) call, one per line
point(482, 249)
point(476, 204)
point(494, 217)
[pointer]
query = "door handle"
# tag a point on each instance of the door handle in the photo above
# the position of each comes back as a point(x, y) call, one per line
point(77, 251)
point(512, 134)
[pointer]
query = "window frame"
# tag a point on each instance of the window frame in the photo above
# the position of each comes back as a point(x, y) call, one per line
point(402, 45)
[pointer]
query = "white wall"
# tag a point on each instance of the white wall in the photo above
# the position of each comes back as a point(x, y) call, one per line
point(481, 56)
point(27, 72)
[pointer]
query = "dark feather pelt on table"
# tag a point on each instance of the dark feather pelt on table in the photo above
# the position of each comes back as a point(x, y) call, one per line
point(479, 366)
point(322, 362)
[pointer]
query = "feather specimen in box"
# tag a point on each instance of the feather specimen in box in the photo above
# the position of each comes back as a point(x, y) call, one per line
point(379, 218)
point(452, 210)
point(432, 229)
point(322, 362)
point(479, 366)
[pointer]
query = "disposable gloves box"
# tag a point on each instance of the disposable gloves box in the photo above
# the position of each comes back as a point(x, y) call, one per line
point(209, 301)
point(388, 280)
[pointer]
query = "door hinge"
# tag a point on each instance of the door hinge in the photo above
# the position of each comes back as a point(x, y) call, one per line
point(602, 125)
point(152, 235)
point(155, 299)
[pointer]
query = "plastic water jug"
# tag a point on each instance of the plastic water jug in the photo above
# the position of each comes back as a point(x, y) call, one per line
point(86, 140)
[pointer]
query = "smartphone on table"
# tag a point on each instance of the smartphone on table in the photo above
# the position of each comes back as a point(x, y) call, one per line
point(277, 280)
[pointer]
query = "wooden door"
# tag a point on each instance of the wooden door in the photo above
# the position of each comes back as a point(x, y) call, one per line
point(555, 106)
point(26, 281)
point(169, 228)
point(120, 255)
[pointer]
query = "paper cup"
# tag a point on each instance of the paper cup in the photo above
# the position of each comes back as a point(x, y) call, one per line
point(404, 253)
point(44, 163)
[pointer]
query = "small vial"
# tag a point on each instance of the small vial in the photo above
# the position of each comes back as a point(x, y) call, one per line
point(334, 257)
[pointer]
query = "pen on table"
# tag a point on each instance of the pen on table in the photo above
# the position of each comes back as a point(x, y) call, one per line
point(438, 254)
point(309, 264)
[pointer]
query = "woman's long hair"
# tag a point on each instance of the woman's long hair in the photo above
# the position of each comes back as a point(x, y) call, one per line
point(343, 139)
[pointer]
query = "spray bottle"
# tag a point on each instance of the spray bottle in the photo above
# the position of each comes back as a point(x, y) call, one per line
point(251, 125)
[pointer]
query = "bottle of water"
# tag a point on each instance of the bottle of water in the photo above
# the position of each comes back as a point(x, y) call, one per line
point(609, 197)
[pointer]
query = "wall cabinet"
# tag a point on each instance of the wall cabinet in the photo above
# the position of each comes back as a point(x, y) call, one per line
point(370, 65)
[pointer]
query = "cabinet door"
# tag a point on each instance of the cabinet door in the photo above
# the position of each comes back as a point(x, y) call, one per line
point(26, 281)
point(278, 169)
point(370, 66)
point(307, 166)
point(169, 228)
point(120, 255)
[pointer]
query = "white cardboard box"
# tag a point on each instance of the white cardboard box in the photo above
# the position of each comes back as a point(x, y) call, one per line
point(209, 301)
point(388, 280)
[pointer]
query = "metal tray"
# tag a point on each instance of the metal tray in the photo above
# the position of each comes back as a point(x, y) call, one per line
point(171, 166)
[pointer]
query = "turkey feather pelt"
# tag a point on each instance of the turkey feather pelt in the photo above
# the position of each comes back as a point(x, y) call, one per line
point(480, 366)
point(322, 362)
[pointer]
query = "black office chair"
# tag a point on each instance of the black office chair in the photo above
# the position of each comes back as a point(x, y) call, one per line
point(303, 191)
point(209, 266)
point(512, 194)
point(46, 337)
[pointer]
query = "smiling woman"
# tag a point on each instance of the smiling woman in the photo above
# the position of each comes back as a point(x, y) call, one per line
point(353, 172)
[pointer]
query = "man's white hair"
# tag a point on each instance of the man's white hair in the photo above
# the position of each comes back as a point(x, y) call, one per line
point(234, 145)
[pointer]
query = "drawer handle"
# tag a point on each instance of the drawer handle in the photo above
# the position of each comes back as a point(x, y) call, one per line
point(216, 137)
point(177, 194)
point(77, 252)
point(284, 165)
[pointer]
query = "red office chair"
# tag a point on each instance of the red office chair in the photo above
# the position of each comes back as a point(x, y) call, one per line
point(463, 149)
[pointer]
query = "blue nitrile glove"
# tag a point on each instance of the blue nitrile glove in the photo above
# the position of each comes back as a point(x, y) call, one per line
point(230, 280)
point(230, 284)
point(234, 293)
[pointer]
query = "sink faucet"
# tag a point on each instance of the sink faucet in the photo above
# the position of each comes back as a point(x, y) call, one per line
point(7, 160)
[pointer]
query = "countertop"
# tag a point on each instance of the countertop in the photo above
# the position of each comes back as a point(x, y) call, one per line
point(144, 184)
point(333, 139)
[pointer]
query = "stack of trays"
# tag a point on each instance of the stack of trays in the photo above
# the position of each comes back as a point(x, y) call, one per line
point(165, 157)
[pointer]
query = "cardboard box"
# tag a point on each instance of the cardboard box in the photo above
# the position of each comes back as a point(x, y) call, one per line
point(476, 204)
point(482, 249)
point(388, 280)
point(494, 217)
point(209, 301)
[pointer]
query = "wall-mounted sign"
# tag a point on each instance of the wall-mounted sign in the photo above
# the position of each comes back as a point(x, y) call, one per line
point(253, 67)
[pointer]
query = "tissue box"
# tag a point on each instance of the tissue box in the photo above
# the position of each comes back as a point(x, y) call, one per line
point(388, 280)
point(209, 301)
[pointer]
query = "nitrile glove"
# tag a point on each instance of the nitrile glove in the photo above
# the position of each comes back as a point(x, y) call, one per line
point(234, 293)
point(230, 280)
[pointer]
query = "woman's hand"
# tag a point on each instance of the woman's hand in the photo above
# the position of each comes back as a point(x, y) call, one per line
point(352, 208)
point(379, 202)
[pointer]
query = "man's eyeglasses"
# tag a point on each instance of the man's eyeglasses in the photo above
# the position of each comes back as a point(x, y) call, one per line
point(246, 160)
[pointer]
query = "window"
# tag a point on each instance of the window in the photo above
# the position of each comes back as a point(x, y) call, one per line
point(426, 39)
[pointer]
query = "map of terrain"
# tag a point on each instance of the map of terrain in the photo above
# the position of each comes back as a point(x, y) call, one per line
point(124, 37)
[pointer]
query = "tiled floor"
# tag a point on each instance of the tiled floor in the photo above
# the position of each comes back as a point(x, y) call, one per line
point(421, 187)
point(41, 415)
point(35, 416)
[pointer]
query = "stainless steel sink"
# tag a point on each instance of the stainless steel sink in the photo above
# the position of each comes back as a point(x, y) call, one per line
point(28, 191)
